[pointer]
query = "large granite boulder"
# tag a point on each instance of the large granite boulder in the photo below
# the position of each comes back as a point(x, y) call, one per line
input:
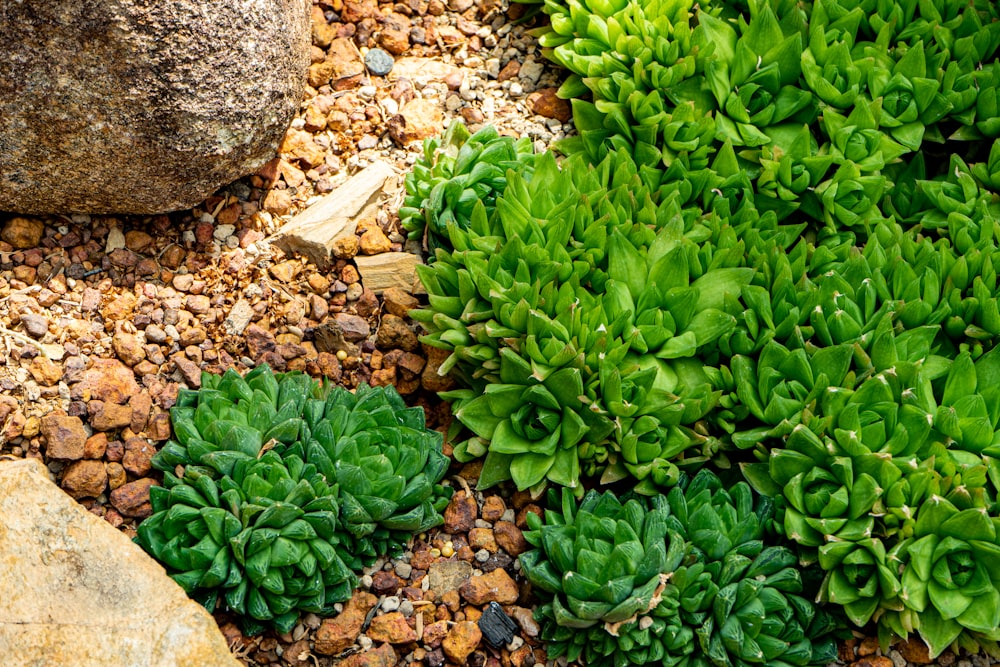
point(129, 106)
point(75, 591)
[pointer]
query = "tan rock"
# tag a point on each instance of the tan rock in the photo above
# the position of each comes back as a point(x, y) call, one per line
point(398, 301)
point(447, 576)
point(116, 475)
point(321, 231)
point(462, 640)
point(22, 233)
point(343, 61)
point(299, 145)
point(337, 634)
point(915, 651)
point(419, 119)
point(144, 107)
point(122, 609)
point(873, 661)
point(127, 347)
point(64, 437)
point(138, 456)
point(421, 71)
point(495, 586)
point(96, 446)
point(395, 36)
point(493, 508)
point(482, 538)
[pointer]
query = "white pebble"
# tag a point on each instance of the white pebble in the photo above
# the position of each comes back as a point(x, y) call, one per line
point(364, 642)
point(515, 643)
point(482, 555)
point(391, 603)
point(366, 581)
point(406, 608)
point(508, 515)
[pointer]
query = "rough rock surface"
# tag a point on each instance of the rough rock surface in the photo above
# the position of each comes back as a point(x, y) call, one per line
point(126, 107)
point(66, 598)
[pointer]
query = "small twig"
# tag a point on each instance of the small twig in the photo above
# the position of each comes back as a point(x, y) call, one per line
point(17, 336)
point(25, 290)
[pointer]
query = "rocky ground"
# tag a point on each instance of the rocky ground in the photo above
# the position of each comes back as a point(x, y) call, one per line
point(103, 319)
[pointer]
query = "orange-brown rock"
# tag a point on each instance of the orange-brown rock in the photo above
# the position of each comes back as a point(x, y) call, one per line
point(337, 634)
point(462, 640)
point(64, 437)
point(391, 628)
point(495, 586)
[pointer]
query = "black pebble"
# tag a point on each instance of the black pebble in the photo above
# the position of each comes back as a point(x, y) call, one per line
point(498, 628)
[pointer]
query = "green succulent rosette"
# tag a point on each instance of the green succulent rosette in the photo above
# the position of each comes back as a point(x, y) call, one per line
point(453, 174)
point(684, 579)
point(534, 429)
point(263, 542)
point(278, 490)
point(949, 579)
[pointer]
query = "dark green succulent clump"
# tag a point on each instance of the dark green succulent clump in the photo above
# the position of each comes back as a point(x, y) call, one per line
point(681, 579)
point(277, 491)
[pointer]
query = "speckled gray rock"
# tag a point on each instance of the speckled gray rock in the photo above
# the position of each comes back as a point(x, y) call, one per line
point(75, 591)
point(124, 106)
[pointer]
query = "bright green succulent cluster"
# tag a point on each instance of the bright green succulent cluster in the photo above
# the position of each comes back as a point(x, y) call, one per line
point(575, 311)
point(454, 173)
point(772, 243)
point(818, 96)
point(681, 579)
point(277, 491)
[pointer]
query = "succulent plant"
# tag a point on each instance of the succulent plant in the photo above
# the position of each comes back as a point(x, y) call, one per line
point(277, 491)
point(670, 580)
point(949, 580)
point(263, 542)
point(454, 173)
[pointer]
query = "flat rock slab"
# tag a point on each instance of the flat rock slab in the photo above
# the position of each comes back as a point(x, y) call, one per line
point(317, 231)
point(75, 591)
point(117, 106)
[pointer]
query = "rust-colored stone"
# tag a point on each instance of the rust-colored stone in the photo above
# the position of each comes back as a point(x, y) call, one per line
point(461, 513)
point(510, 538)
point(391, 628)
point(462, 639)
point(64, 437)
point(337, 634)
point(496, 586)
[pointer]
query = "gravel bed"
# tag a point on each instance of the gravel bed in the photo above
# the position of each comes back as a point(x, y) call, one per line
point(104, 318)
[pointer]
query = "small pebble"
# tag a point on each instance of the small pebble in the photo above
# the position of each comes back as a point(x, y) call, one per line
point(403, 570)
point(391, 603)
point(364, 642)
point(378, 62)
point(406, 608)
point(366, 580)
point(482, 555)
